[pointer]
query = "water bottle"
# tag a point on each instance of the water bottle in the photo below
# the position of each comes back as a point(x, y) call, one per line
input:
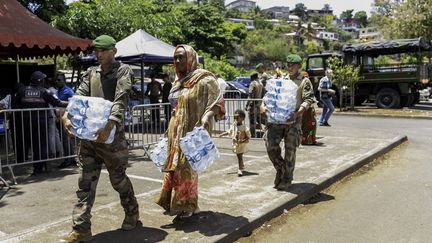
point(159, 154)
point(95, 124)
point(76, 106)
point(84, 133)
point(77, 120)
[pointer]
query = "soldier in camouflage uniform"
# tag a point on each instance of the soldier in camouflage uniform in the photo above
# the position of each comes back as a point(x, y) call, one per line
point(111, 80)
point(291, 131)
point(262, 75)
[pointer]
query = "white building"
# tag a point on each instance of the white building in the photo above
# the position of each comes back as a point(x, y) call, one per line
point(278, 12)
point(242, 5)
point(370, 33)
point(326, 35)
point(249, 23)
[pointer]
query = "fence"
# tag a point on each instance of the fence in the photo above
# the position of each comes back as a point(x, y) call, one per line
point(32, 136)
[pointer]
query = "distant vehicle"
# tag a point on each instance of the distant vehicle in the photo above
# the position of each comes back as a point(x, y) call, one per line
point(236, 86)
point(245, 81)
point(388, 85)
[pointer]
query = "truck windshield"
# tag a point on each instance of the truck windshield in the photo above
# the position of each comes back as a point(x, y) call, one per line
point(316, 63)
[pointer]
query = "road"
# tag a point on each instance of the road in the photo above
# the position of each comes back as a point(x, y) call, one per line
point(389, 201)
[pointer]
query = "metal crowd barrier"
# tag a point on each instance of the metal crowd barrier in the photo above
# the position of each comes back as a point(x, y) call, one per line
point(253, 119)
point(146, 124)
point(32, 136)
point(232, 94)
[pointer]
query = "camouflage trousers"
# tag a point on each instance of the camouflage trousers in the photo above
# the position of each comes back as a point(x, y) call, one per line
point(91, 156)
point(291, 135)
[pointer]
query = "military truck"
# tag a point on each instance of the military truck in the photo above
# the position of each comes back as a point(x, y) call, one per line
point(391, 85)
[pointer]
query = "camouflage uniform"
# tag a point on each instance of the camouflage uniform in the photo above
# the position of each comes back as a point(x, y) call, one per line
point(114, 86)
point(255, 92)
point(290, 133)
point(262, 78)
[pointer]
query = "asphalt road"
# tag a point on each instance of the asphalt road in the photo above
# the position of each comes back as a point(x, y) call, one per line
point(388, 201)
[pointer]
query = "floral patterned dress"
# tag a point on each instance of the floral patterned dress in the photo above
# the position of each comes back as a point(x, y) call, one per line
point(192, 98)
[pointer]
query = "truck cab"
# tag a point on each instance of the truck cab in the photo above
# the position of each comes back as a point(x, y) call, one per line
point(391, 72)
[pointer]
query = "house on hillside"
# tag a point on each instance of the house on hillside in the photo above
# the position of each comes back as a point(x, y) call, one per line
point(249, 23)
point(294, 38)
point(278, 12)
point(327, 35)
point(351, 26)
point(242, 5)
point(369, 34)
point(319, 12)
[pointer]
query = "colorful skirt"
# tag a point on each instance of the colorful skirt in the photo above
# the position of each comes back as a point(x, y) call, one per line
point(309, 126)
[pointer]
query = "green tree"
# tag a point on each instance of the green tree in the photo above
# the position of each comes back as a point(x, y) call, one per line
point(347, 14)
point(300, 10)
point(264, 44)
point(362, 18)
point(45, 9)
point(344, 76)
point(261, 23)
point(403, 19)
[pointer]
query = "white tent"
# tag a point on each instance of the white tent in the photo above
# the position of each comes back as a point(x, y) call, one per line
point(141, 45)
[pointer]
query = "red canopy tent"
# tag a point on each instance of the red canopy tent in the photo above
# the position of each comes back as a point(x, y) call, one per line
point(24, 34)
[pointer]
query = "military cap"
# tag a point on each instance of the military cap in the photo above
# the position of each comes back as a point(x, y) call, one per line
point(104, 42)
point(37, 76)
point(294, 58)
point(259, 65)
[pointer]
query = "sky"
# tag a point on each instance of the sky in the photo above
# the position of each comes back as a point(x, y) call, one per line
point(338, 5)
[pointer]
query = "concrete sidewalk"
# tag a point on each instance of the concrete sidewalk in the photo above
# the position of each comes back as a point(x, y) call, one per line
point(38, 209)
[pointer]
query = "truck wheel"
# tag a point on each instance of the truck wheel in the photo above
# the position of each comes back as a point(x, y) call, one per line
point(388, 98)
point(407, 100)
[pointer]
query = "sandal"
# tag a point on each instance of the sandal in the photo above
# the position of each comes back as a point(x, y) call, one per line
point(181, 217)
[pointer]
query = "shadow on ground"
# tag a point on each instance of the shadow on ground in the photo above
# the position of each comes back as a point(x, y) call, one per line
point(320, 197)
point(138, 235)
point(208, 223)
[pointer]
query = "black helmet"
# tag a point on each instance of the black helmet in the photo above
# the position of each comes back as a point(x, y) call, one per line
point(37, 77)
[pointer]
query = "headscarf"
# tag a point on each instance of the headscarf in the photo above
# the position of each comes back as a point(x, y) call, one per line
point(191, 61)
point(193, 74)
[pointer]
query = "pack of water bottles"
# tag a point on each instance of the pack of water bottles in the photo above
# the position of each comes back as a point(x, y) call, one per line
point(199, 149)
point(88, 115)
point(280, 100)
point(159, 154)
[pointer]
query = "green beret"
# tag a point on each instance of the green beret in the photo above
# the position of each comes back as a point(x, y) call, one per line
point(294, 58)
point(259, 65)
point(104, 42)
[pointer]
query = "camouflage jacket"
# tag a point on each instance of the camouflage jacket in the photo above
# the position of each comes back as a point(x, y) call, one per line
point(305, 93)
point(113, 86)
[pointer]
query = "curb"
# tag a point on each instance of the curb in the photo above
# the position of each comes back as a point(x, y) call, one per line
point(383, 116)
point(278, 210)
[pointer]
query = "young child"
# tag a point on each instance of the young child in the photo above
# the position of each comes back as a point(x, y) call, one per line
point(240, 137)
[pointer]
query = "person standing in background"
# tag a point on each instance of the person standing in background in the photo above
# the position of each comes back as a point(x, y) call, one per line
point(326, 93)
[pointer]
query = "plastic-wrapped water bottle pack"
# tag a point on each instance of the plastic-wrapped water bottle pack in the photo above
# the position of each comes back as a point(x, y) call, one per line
point(199, 149)
point(88, 115)
point(159, 154)
point(280, 100)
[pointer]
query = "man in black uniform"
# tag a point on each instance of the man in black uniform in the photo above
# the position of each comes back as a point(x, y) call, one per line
point(31, 126)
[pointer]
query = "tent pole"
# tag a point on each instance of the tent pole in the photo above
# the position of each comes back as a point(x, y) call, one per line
point(142, 78)
point(17, 68)
point(55, 64)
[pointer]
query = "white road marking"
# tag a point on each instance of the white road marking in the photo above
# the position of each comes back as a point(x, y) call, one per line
point(244, 155)
point(138, 177)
